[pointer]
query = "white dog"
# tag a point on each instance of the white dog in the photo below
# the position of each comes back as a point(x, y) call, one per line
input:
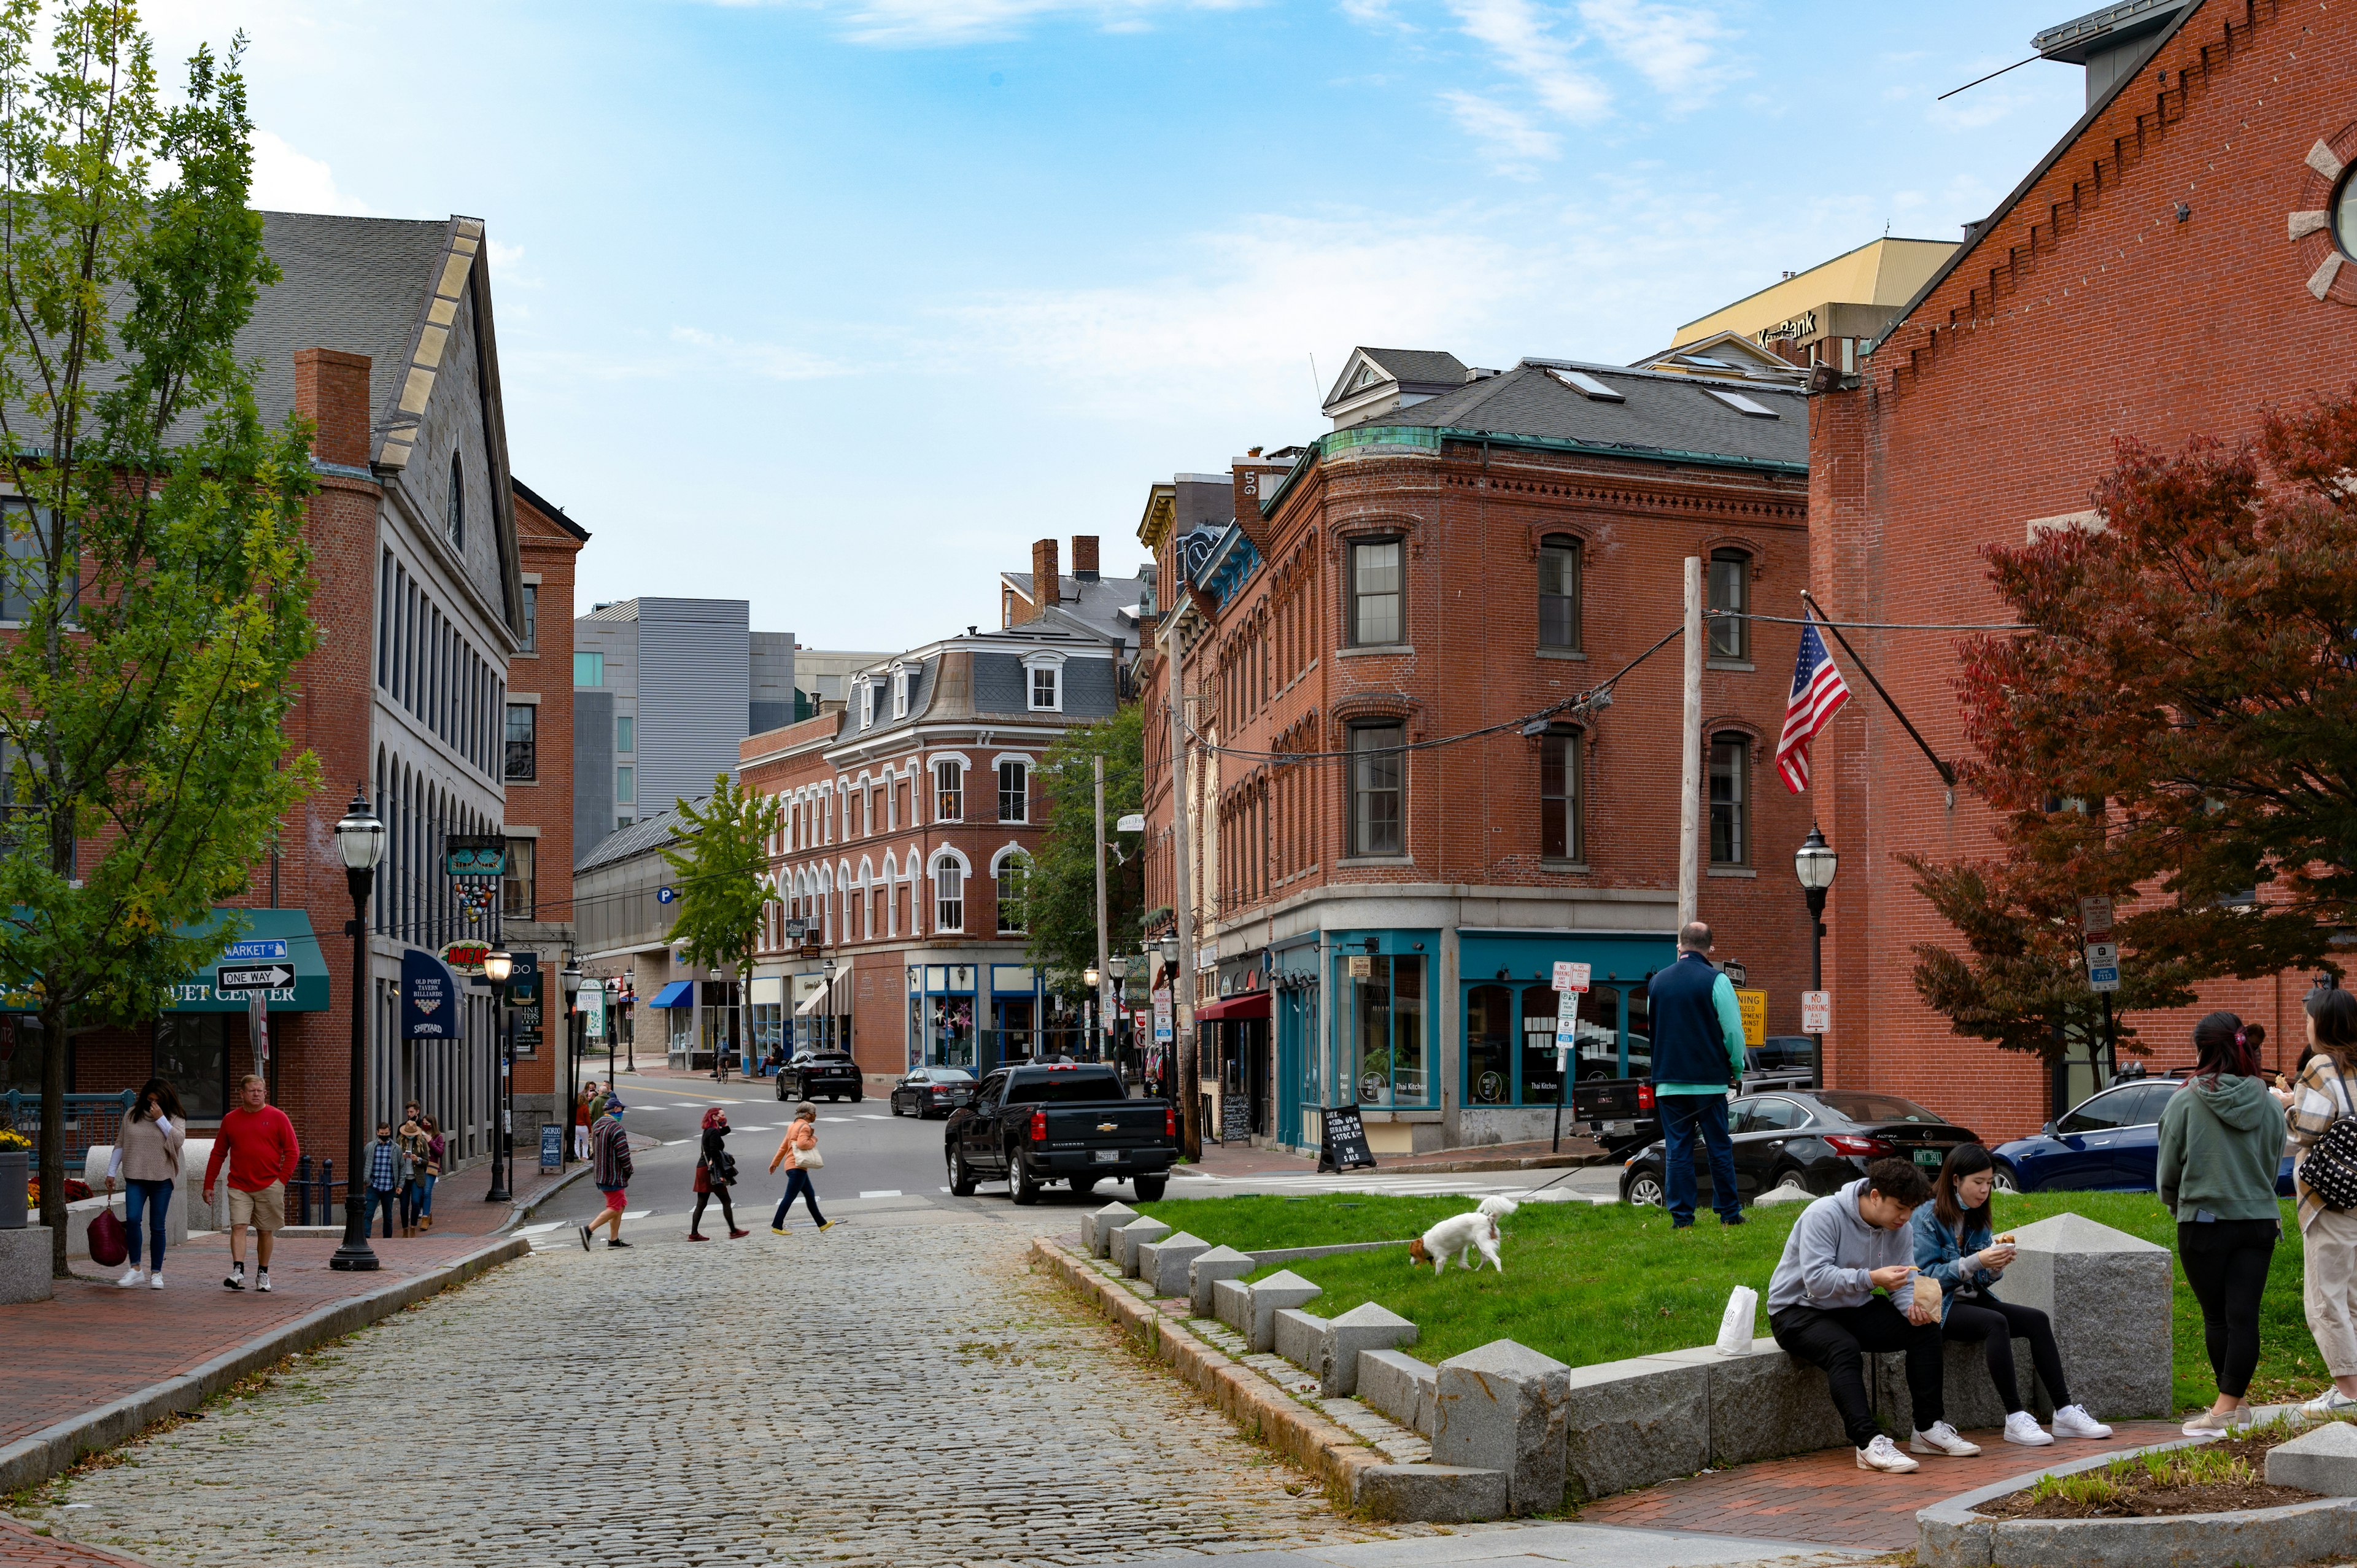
point(1462, 1235)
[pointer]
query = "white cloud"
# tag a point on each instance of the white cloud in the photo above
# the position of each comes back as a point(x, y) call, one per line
point(287, 181)
point(1524, 40)
point(1509, 135)
point(764, 362)
point(1672, 46)
point(921, 23)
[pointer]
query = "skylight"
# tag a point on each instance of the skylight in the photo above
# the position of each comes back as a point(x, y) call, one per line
point(1587, 386)
point(1742, 404)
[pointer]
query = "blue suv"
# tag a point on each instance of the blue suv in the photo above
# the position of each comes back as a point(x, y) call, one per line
point(2109, 1141)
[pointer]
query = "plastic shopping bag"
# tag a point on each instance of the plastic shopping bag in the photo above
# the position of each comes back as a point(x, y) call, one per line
point(1735, 1326)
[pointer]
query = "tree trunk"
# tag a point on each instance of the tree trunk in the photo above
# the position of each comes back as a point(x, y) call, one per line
point(53, 1137)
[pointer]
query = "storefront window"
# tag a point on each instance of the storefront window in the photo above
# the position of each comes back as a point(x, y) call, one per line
point(1489, 1045)
point(1599, 1034)
point(192, 1056)
point(1541, 1082)
point(1386, 1023)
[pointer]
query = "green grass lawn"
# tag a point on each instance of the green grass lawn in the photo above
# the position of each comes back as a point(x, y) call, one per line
point(1588, 1284)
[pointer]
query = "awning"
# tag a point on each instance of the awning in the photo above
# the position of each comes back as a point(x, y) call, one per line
point(815, 1001)
point(1231, 1009)
point(270, 936)
point(676, 994)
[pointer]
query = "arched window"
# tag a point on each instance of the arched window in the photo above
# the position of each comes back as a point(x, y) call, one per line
point(1730, 576)
point(457, 524)
point(1559, 594)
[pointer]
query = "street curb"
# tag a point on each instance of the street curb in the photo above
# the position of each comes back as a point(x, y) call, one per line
point(29, 1461)
point(1340, 1461)
point(525, 1211)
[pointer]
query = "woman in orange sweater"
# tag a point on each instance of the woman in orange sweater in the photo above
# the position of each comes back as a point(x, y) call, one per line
point(800, 1142)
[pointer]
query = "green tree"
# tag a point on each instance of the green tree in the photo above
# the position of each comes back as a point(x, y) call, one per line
point(722, 873)
point(155, 556)
point(1059, 905)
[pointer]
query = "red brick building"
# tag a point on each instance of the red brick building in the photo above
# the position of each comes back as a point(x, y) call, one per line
point(1386, 866)
point(2174, 266)
point(909, 818)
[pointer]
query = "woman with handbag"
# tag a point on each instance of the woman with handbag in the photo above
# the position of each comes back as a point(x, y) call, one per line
point(2324, 1137)
point(425, 1170)
point(715, 1173)
point(799, 1152)
point(2220, 1141)
point(147, 1158)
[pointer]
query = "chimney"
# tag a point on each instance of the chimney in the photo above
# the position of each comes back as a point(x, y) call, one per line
point(331, 389)
point(1084, 557)
point(1047, 583)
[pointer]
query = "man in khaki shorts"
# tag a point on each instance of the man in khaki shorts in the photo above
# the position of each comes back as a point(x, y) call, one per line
point(259, 1143)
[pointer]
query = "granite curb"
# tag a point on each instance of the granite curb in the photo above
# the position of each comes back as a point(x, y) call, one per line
point(32, 1460)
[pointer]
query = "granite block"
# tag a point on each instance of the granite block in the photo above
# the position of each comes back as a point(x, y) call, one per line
point(1267, 1298)
point(1400, 1386)
point(1206, 1269)
point(1126, 1240)
point(1099, 1227)
point(2109, 1296)
point(1763, 1404)
point(1366, 1326)
point(1439, 1494)
point(1504, 1407)
point(2324, 1460)
point(1300, 1336)
point(1232, 1304)
point(25, 1264)
point(1633, 1422)
point(1163, 1264)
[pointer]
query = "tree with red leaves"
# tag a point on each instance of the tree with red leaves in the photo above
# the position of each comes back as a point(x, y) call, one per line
point(2176, 729)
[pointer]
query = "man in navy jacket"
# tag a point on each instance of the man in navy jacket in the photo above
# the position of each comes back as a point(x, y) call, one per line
point(1697, 1057)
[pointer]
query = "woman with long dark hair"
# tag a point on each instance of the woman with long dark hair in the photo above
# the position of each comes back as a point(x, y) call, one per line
point(147, 1160)
point(2221, 1138)
point(1955, 1245)
point(715, 1173)
point(2326, 1092)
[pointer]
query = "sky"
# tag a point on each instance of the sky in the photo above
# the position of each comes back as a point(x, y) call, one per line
point(836, 306)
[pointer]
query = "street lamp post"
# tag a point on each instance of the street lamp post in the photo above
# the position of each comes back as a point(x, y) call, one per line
point(1815, 864)
point(360, 839)
point(571, 977)
point(826, 968)
point(1171, 959)
point(496, 967)
point(1117, 968)
point(1093, 978)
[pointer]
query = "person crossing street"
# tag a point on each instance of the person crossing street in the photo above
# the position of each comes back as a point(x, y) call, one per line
point(610, 1168)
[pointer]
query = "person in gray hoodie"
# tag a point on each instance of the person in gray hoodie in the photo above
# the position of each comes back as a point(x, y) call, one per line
point(1823, 1308)
point(2221, 1141)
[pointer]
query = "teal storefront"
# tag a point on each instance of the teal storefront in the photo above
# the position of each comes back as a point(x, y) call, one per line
point(1506, 1006)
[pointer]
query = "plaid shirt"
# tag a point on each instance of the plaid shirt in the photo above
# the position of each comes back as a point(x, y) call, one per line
point(2320, 1095)
point(381, 1155)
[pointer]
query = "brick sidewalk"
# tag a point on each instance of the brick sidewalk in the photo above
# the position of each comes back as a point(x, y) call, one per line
point(20, 1547)
point(1825, 1499)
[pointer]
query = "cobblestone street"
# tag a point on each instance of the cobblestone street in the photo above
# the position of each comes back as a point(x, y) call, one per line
point(900, 1392)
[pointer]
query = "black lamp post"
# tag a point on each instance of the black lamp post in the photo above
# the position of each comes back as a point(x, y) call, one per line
point(360, 839)
point(1815, 864)
point(1116, 967)
point(497, 966)
point(571, 977)
point(826, 968)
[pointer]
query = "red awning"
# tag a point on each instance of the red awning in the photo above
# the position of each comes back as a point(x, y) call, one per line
point(1250, 1004)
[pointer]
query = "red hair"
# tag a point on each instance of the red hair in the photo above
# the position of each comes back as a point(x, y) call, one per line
point(715, 1118)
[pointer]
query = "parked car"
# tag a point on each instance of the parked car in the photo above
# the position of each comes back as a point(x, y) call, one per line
point(2109, 1141)
point(1782, 1053)
point(1818, 1140)
point(932, 1092)
point(815, 1073)
point(1069, 1121)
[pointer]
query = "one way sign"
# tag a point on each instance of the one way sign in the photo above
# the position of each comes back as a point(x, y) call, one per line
point(254, 977)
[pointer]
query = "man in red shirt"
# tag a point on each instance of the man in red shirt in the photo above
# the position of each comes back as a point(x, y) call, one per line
point(258, 1141)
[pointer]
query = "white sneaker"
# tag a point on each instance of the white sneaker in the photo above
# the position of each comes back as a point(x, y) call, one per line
point(2331, 1401)
point(2209, 1423)
point(1942, 1439)
point(2022, 1427)
point(133, 1280)
point(156, 1280)
point(1883, 1455)
point(2073, 1421)
point(262, 1284)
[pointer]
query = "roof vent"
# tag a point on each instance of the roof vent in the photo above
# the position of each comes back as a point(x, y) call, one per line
point(1587, 386)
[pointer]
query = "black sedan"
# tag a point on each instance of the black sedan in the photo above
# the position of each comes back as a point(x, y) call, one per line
point(932, 1092)
point(1814, 1139)
point(815, 1073)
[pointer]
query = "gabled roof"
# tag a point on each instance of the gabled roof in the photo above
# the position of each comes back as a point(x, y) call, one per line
point(1105, 606)
point(550, 510)
point(1424, 367)
point(1651, 415)
point(1724, 354)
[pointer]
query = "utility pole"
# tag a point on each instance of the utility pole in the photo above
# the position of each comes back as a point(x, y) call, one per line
point(1104, 985)
point(1182, 910)
point(1690, 756)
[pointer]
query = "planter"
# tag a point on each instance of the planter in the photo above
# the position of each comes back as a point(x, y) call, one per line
point(14, 1171)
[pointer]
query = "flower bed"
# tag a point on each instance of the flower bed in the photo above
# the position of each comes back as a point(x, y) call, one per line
point(2216, 1478)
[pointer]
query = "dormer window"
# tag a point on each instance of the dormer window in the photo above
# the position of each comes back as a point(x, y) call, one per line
point(868, 704)
point(1043, 681)
point(899, 694)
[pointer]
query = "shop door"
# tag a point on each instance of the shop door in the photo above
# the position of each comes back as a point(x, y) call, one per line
point(1257, 1082)
point(1012, 1030)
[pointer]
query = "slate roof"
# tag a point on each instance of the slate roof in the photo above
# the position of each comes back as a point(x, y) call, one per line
point(1404, 365)
point(1659, 412)
point(1098, 605)
point(636, 839)
point(357, 285)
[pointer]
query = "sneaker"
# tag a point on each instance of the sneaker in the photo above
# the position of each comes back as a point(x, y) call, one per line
point(134, 1280)
point(156, 1280)
point(777, 1230)
point(738, 1235)
point(2073, 1421)
point(1730, 1220)
point(2209, 1424)
point(2022, 1427)
point(236, 1278)
point(262, 1281)
point(1942, 1439)
point(584, 1238)
point(2331, 1401)
point(826, 1224)
point(618, 1242)
point(1883, 1455)
point(697, 1236)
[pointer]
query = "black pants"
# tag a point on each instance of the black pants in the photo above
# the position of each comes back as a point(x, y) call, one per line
point(2000, 1323)
point(2226, 1263)
point(727, 1210)
point(1837, 1340)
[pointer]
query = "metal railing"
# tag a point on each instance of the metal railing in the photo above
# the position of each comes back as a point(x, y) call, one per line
point(90, 1119)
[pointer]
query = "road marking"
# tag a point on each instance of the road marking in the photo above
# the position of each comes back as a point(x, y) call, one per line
point(945, 1190)
point(544, 1230)
point(675, 1143)
point(884, 1192)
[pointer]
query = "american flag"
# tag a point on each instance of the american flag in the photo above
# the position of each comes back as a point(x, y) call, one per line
point(1818, 692)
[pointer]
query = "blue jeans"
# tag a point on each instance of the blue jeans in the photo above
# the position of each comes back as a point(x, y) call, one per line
point(421, 1195)
point(154, 1199)
point(387, 1199)
point(1681, 1115)
point(798, 1183)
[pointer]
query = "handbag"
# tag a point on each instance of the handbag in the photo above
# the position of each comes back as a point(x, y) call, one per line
point(110, 1243)
point(703, 1177)
point(809, 1159)
point(2330, 1169)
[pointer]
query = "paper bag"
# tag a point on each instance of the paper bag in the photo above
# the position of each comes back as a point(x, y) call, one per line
point(1927, 1294)
point(1735, 1324)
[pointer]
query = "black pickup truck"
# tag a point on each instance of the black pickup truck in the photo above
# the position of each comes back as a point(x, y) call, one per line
point(1069, 1121)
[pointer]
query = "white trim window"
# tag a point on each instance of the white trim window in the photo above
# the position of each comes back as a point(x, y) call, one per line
point(868, 704)
point(949, 790)
point(1014, 792)
point(1012, 871)
point(1043, 682)
point(900, 693)
point(949, 897)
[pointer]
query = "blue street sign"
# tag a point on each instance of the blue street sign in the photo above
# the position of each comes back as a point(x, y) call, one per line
point(664, 896)
point(254, 948)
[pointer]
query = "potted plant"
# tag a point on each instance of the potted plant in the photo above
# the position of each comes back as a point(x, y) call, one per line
point(15, 1156)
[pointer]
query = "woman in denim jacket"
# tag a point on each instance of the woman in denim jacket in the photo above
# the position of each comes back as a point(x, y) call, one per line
point(1954, 1246)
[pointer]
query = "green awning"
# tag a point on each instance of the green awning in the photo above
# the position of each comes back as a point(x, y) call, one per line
point(270, 936)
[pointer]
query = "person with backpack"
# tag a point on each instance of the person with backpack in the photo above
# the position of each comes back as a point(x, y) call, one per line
point(2222, 1139)
point(2324, 1137)
point(715, 1173)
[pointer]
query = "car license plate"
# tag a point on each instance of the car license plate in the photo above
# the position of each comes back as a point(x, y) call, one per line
point(1105, 1156)
point(1931, 1157)
point(1614, 1129)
